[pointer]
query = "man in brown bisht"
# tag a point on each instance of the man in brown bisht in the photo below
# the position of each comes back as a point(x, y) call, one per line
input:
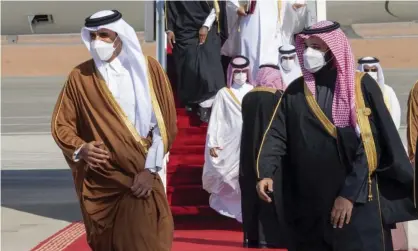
point(412, 122)
point(114, 121)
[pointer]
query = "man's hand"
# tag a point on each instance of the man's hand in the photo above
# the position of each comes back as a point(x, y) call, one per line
point(213, 152)
point(241, 11)
point(171, 39)
point(142, 185)
point(341, 212)
point(93, 155)
point(296, 6)
point(203, 34)
point(263, 186)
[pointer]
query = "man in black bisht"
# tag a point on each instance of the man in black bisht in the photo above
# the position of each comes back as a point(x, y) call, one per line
point(194, 35)
point(334, 153)
point(259, 218)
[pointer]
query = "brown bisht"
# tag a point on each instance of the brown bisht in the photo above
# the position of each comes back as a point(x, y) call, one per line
point(86, 111)
point(412, 122)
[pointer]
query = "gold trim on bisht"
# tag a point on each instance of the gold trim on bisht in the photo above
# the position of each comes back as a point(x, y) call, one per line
point(121, 114)
point(320, 115)
point(264, 89)
point(363, 114)
point(233, 95)
point(265, 134)
point(157, 111)
point(217, 11)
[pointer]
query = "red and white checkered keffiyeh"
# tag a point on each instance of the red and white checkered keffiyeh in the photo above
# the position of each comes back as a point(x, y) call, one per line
point(269, 77)
point(343, 105)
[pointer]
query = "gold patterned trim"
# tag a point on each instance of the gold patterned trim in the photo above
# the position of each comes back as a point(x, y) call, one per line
point(264, 89)
point(320, 115)
point(363, 114)
point(217, 11)
point(167, 81)
point(265, 134)
point(55, 119)
point(409, 126)
point(386, 100)
point(107, 94)
point(157, 111)
point(409, 122)
point(233, 95)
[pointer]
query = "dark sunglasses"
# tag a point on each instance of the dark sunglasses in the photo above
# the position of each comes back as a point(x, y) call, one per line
point(370, 70)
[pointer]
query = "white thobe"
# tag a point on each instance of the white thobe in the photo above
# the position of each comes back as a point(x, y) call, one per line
point(289, 76)
point(220, 175)
point(120, 84)
point(258, 36)
point(392, 104)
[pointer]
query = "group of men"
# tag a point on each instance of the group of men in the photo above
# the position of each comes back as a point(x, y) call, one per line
point(324, 148)
point(307, 161)
point(205, 35)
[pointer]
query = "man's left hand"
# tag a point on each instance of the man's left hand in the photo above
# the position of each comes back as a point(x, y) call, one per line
point(297, 6)
point(341, 212)
point(203, 33)
point(142, 185)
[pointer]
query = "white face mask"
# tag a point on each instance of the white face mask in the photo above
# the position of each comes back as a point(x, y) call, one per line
point(373, 75)
point(240, 78)
point(287, 64)
point(104, 50)
point(313, 60)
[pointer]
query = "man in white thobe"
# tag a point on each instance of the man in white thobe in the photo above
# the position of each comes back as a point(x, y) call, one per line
point(222, 151)
point(258, 28)
point(372, 66)
point(289, 64)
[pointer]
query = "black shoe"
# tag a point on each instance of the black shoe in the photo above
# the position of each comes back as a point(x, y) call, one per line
point(250, 244)
point(264, 246)
point(188, 108)
point(204, 114)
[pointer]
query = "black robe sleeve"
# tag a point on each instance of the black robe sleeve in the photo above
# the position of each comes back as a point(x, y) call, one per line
point(394, 163)
point(273, 145)
point(223, 21)
point(389, 148)
point(395, 175)
point(352, 152)
point(257, 111)
point(170, 15)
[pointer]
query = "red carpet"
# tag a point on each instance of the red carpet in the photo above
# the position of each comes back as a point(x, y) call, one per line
point(216, 233)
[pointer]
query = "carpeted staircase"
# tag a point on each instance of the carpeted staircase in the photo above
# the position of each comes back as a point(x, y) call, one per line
point(184, 171)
